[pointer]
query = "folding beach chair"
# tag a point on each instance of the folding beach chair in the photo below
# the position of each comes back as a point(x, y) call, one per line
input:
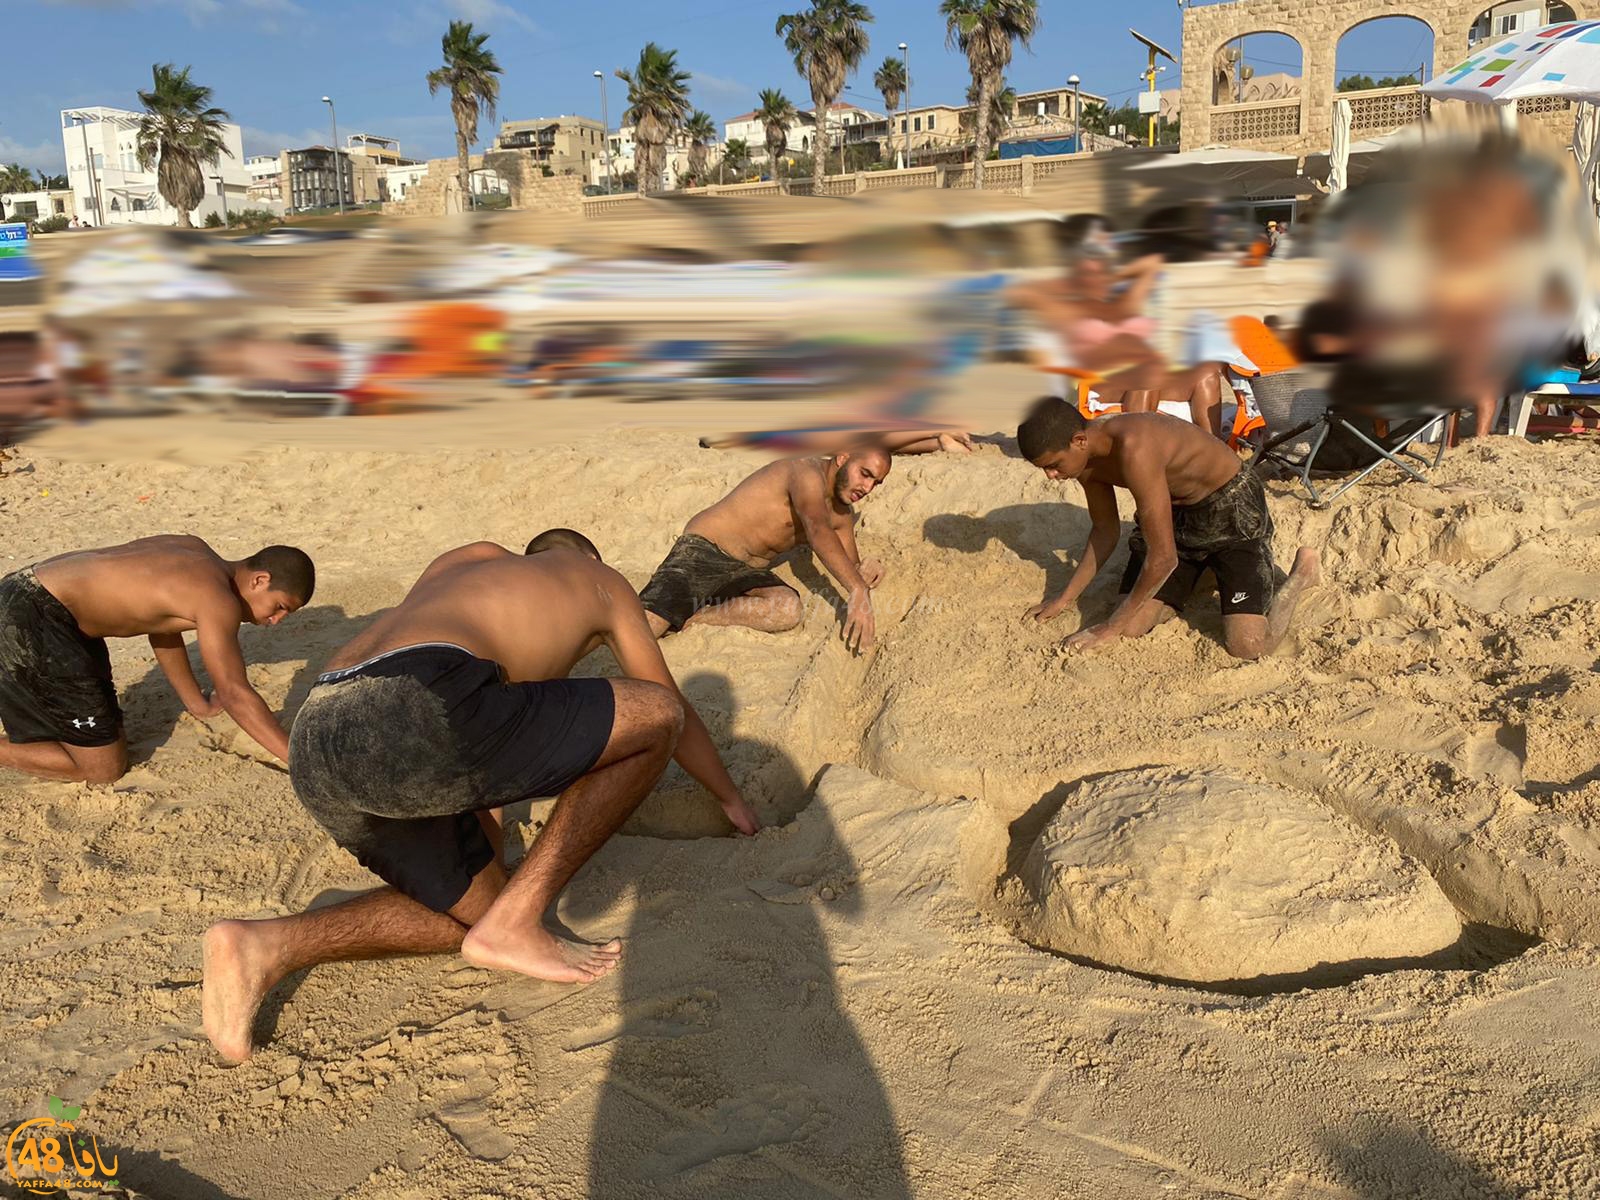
point(1302, 419)
point(1569, 408)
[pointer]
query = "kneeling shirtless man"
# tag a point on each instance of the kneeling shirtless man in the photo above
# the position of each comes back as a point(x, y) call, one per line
point(57, 698)
point(719, 571)
point(1198, 509)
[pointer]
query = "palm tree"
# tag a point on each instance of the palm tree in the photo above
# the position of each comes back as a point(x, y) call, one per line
point(828, 41)
point(179, 134)
point(699, 129)
point(1002, 107)
point(892, 83)
point(736, 154)
point(984, 31)
point(471, 75)
point(658, 106)
point(16, 178)
point(776, 114)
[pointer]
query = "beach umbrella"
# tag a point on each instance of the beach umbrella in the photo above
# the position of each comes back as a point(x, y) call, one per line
point(1339, 154)
point(1557, 60)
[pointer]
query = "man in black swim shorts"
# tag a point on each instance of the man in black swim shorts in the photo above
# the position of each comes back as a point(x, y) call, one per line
point(1198, 509)
point(719, 571)
point(449, 706)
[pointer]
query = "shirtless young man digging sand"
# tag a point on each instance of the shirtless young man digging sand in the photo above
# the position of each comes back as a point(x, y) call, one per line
point(1198, 509)
point(718, 572)
point(451, 705)
point(57, 698)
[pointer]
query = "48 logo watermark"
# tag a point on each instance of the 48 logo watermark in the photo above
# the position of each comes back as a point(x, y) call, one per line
point(48, 1154)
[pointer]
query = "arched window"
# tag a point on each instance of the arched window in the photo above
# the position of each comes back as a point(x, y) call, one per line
point(1255, 67)
point(1384, 52)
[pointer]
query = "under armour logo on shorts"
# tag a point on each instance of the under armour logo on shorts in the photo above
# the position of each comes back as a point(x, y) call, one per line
point(1238, 598)
point(86, 721)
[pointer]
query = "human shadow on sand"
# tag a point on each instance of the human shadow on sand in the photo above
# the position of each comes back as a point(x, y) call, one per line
point(1395, 1162)
point(1046, 535)
point(734, 1069)
point(152, 710)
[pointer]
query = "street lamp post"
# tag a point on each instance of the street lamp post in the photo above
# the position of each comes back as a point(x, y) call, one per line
point(1077, 111)
point(338, 168)
point(905, 101)
point(605, 120)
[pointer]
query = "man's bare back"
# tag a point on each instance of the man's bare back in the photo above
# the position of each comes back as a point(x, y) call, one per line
point(1194, 463)
point(152, 585)
point(535, 615)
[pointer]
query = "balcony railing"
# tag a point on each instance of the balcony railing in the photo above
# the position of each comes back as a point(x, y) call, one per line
point(1256, 121)
point(1380, 110)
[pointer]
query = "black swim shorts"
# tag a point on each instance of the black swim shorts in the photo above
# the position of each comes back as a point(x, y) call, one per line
point(394, 758)
point(55, 680)
point(1228, 533)
point(695, 573)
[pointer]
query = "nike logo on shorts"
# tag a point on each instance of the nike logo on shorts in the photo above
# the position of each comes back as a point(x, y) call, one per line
point(1239, 597)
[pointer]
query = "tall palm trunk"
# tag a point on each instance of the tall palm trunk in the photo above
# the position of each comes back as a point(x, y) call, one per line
point(819, 144)
point(980, 127)
point(463, 154)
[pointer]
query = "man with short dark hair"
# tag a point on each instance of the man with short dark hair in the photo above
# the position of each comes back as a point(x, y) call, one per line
point(718, 572)
point(449, 706)
point(1199, 509)
point(571, 539)
point(57, 698)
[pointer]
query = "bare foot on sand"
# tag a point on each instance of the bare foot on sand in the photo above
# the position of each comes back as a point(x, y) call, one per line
point(235, 977)
point(539, 953)
point(956, 442)
point(1308, 565)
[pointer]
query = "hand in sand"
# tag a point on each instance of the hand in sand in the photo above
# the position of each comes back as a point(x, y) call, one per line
point(1047, 610)
point(956, 442)
point(860, 628)
point(1092, 638)
point(871, 572)
point(208, 707)
point(744, 817)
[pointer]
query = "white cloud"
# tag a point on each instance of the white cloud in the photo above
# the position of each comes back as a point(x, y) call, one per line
point(718, 87)
point(490, 13)
point(47, 156)
point(267, 141)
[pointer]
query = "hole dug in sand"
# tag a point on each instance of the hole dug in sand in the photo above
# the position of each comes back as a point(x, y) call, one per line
point(1214, 881)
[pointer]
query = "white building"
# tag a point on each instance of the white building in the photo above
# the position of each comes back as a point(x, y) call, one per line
point(266, 181)
point(624, 158)
point(37, 206)
point(1516, 16)
point(841, 118)
point(402, 178)
point(108, 187)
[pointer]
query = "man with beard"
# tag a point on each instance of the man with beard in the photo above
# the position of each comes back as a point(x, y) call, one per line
point(718, 572)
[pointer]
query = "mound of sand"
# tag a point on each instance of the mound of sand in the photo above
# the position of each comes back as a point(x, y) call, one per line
point(1209, 878)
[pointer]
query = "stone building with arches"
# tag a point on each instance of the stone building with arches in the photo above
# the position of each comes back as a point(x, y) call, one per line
point(1304, 123)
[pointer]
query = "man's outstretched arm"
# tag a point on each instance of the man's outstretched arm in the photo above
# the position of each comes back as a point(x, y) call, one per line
point(805, 497)
point(174, 661)
point(1147, 481)
point(639, 655)
point(1105, 531)
point(217, 624)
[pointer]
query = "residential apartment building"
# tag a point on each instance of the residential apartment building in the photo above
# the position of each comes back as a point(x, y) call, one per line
point(370, 156)
point(37, 206)
point(108, 186)
point(317, 177)
point(566, 145)
point(266, 181)
point(1516, 16)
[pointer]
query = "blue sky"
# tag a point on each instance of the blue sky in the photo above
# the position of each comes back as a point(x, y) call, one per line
point(270, 61)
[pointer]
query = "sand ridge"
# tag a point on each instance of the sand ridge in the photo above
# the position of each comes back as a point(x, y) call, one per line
point(847, 1005)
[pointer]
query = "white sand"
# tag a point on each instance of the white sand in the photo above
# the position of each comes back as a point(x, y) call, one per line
point(843, 1006)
